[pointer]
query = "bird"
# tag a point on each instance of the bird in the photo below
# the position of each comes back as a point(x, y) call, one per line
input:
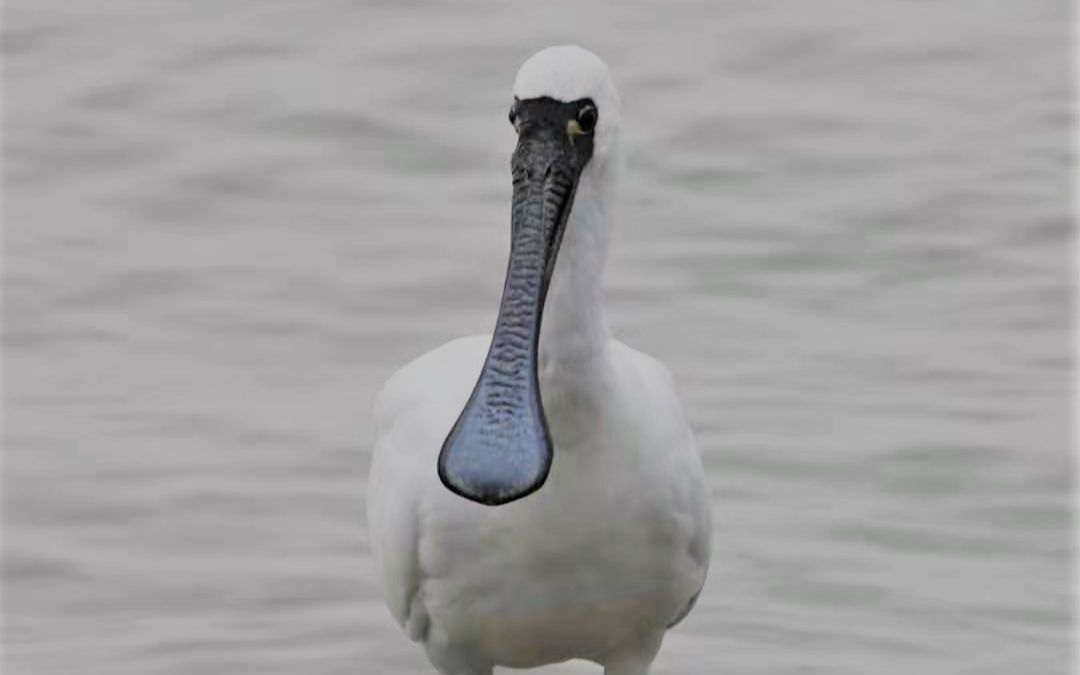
point(536, 495)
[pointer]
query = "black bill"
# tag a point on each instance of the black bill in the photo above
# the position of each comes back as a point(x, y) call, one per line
point(500, 449)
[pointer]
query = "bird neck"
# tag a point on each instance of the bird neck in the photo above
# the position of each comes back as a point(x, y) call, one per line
point(574, 333)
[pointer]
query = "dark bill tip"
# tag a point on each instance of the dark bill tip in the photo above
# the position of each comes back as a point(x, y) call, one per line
point(496, 461)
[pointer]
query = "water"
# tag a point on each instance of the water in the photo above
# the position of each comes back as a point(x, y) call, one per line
point(845, 228)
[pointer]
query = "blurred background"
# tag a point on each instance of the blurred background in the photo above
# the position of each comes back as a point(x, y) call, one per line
point(845, 226)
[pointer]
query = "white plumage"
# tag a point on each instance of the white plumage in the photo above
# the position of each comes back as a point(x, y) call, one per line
point(614, 548)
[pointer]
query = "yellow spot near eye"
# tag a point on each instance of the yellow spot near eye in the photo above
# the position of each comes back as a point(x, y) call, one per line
point(573, 128)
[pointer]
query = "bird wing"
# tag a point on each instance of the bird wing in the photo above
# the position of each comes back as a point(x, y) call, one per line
point(701, 541)
point(413, 413)
point(392, 524)
point(693, 500)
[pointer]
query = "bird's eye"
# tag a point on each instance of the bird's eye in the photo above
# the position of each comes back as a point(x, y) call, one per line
point(513, 114)
point(586, 118)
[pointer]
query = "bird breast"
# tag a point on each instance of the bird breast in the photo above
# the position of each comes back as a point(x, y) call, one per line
point(597, 554)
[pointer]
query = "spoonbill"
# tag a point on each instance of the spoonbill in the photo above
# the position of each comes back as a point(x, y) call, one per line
point(536, 494)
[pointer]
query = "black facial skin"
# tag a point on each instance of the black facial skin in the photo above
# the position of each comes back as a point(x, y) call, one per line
point(500, 449)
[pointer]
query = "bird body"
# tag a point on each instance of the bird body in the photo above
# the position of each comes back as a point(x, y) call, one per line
point(613, 547)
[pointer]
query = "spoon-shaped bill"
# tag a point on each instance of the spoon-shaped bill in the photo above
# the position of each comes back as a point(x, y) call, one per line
point(500, 449)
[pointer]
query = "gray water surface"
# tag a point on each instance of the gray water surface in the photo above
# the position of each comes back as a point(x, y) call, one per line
point(845, 228)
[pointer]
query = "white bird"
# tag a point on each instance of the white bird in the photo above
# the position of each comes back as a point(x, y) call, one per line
point(536, 495)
